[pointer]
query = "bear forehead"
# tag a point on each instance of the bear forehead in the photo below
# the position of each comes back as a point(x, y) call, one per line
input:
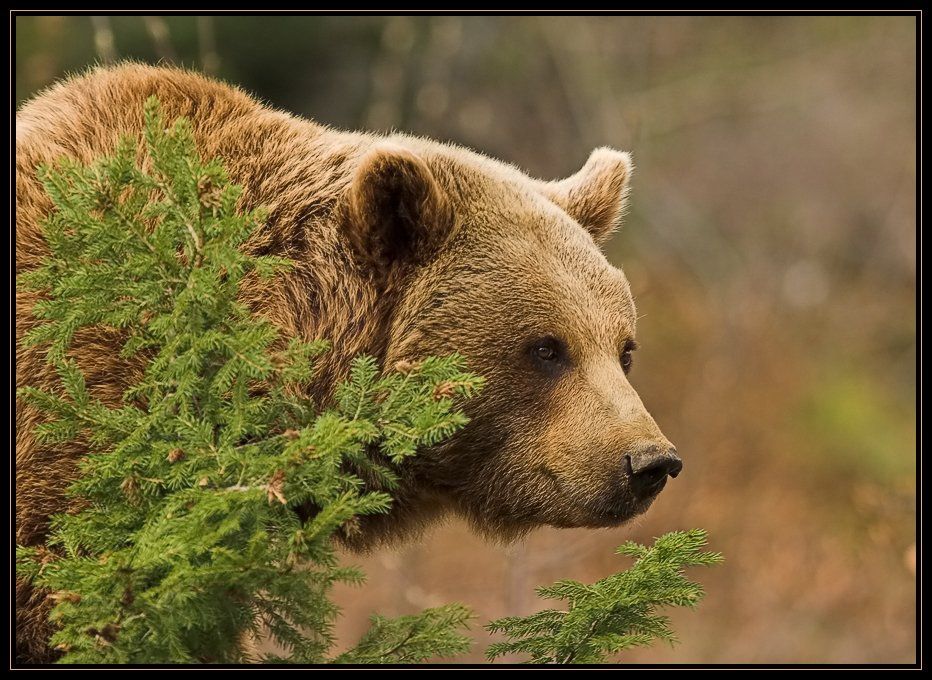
point(531, 272)
point(554, 276)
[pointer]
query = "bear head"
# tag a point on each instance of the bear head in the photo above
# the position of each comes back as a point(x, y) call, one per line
point(508, 272)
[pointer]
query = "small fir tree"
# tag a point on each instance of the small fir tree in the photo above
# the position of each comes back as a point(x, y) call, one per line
point(188, 536)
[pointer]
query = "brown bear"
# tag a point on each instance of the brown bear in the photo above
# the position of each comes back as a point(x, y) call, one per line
point(404, 248)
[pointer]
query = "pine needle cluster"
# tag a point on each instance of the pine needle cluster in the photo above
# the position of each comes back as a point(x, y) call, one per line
point(188, 537)
point(614, 614)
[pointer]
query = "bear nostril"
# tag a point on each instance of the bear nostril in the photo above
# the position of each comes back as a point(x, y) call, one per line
point(650, 468)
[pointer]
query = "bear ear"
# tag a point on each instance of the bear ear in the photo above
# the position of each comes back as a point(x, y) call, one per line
point(595, 196)
point(397, 214)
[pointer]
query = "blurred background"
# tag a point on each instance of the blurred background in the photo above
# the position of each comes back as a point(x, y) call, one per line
point(771, 247)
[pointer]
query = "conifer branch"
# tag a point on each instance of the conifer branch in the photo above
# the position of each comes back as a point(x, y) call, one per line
point(614, 614)
point(189, 534)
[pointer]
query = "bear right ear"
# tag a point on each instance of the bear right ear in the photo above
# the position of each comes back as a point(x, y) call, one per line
point(595, 196)
point(397, 215)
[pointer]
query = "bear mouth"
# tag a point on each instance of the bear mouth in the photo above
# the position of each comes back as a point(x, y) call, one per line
point(605, 510)
point(623, 512)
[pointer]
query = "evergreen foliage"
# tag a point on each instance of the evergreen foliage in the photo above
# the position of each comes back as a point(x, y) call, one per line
point(412, 639)
point(185, 539)
point(614, 614)
point(188, 535)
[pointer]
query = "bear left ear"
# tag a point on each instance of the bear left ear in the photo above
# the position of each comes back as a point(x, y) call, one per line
point(397, 214)
point(596, 195)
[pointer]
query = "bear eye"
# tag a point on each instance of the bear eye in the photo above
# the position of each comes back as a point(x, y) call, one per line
point(626, 358)
point(547, 351)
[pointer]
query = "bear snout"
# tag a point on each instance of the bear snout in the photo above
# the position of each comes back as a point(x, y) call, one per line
point(650, 467)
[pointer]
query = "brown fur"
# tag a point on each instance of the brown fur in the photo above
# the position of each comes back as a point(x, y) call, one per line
point(404, 248)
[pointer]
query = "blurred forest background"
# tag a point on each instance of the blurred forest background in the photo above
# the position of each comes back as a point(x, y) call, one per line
point(771, 246)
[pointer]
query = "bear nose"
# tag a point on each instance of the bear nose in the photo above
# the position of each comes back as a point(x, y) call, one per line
point(651, 466)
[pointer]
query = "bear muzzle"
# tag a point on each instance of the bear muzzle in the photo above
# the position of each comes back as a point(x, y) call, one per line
point(649, 469)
